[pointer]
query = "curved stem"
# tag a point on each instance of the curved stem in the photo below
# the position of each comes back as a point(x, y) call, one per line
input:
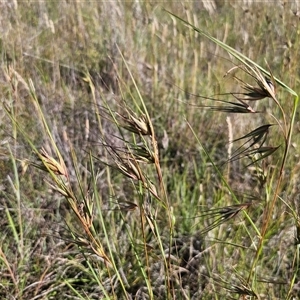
point(269, 209)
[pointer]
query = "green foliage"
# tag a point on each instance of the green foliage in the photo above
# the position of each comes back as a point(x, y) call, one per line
point(149, 154)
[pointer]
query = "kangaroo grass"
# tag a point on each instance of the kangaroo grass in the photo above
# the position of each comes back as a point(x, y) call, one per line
point(138, 180)
point(129, 163)
point(222, 215)
point(81, 204)
point(264, 88)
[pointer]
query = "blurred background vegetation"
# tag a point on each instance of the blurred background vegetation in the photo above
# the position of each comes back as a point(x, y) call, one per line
point(71, 52)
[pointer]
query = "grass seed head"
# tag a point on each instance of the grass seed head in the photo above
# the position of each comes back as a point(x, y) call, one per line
point(139, 125)
point(49, 163)
point(143, 154)
point(130, 169)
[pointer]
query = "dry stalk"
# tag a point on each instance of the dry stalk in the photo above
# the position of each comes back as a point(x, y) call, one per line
point(83, 210)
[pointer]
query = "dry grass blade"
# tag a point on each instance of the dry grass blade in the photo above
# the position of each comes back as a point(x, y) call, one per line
point(82, 209)
point(85, 217)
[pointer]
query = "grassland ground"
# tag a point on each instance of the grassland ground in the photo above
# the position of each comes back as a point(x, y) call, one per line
point(132, 163)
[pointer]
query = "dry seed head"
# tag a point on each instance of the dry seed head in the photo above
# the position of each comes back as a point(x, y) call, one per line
point(134, 167)
point(49, 163)
point(265, 87)
point(141, 125)
point(136, 125)
point(130, 169)
point(84, 215)
point(127, 205)
point(255, 93)
point(62, 190)
point(143, 154)
point(98, 250)
point(152, 189)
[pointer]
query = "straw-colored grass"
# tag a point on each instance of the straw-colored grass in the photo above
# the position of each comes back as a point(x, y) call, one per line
point(149, 150)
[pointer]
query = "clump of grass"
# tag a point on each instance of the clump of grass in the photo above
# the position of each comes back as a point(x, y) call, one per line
point(265, 88)
point(144, 193)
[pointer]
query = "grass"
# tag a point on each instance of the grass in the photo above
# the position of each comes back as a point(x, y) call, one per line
point(132, 164)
